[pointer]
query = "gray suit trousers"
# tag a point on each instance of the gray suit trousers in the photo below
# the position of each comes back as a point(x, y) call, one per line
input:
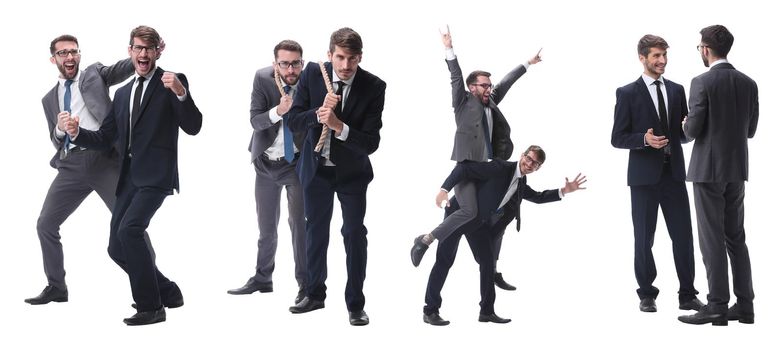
point(720, 217)
point(82, 172)
point(271, 177)
point(468, 210)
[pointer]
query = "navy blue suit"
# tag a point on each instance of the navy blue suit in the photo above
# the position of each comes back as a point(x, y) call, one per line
point(485, 233)
point(148, 174)
point(656, 179)
point(348, 178)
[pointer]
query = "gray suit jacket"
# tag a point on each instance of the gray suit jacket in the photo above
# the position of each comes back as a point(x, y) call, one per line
point(265, 96)
point(724, 113)
point(468, 111)
point(94, 83)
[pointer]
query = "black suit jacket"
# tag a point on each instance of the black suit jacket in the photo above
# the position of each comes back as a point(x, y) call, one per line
point(362, 114)
point(634, 113)
point(153, 147)
point(492, 181)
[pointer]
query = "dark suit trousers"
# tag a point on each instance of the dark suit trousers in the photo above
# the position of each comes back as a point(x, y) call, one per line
point(131, 216)
point(720, 218)
point(319, 203)
point(480, 242)
point(672, 197)
point(271, 177)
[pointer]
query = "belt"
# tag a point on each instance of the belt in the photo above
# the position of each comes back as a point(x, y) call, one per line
point(278, 159)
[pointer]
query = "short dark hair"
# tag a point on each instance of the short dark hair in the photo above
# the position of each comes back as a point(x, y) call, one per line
point(288, 45)
point(64, 37)
point(718, 38)
point(649, 41)
point(348, 39)
point(147, 34)
point(473, 76)
point(540, 154)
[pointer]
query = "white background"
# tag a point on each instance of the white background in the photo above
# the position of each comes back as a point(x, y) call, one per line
point(572, 262)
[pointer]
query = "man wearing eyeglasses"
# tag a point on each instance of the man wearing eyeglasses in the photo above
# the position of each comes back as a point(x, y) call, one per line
point(482, 134)
point(501, 186)
point(80, 171)
point(274, 151)
point(647, 117)
point(724, 114)
point(144, 123)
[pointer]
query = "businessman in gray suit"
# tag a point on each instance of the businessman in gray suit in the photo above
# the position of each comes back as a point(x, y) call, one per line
point(724, 112)
point(80, 171)
point(274, 151)
point(482, 134)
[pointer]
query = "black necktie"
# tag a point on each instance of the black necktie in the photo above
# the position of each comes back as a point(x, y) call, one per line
point(136, 107)
point(662, 115)
point(338, 109)
point(485, 126)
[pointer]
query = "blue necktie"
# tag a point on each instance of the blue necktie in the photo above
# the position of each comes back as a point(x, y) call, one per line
point(67, 108)
point(487, 140)
point(288, 137)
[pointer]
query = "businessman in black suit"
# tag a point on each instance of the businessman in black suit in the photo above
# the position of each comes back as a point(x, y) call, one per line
point(500, 186)
point(352, 115)
point(144, 121)
point(724, 113)
point(647, 117)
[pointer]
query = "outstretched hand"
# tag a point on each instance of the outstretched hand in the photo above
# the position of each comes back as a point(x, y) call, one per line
point(571, 186)
point(446, 37)
point(536, 58)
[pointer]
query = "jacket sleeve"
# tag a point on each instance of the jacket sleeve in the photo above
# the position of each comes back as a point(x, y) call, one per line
point(500, 90)
point(622, 133)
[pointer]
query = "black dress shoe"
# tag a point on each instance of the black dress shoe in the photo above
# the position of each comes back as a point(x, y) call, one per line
point(435, 319)
point(735, 314)
point(647, 305)
point(501, 283)
point(146, 317)
point(299, 296)
point(418, 250)
point(306, 305)
point(493, 318)
point(49, 294)
point(694, 304)
point(705, 315)
point(251, 287)
point(358, 318)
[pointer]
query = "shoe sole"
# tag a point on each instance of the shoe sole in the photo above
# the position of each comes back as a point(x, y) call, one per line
point(58, 300)
point(144, 324)
point(301, 311)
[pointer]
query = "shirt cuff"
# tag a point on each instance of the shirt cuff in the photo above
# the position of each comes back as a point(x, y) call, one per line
point(344, 134)
point(560, 193)
point(450, 54)
point(526, 64)
point(183, 97)
point(58, 133)
point(273, 116)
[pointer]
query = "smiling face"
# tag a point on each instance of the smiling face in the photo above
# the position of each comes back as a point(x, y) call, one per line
point(67, 57)
point(143, 54)
point(482, 88)
point(655, 62)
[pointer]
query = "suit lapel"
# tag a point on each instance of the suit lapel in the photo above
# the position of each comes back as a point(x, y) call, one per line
point(53, 103)
point(642, 90)
point(356, 93)
point(148, 92)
